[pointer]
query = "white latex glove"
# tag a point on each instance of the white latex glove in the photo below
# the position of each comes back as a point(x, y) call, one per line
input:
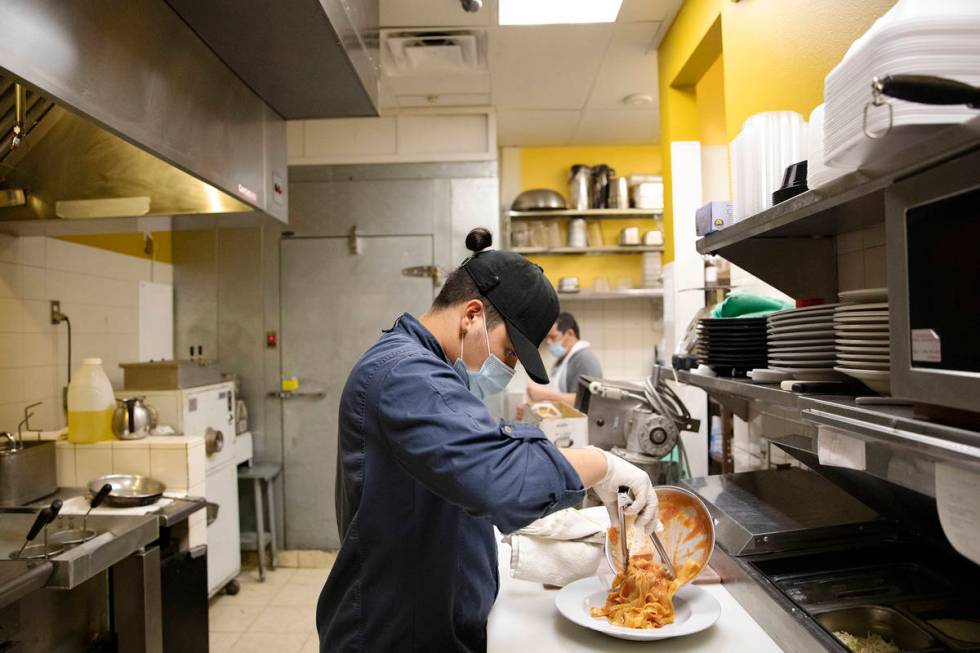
point(620, 473)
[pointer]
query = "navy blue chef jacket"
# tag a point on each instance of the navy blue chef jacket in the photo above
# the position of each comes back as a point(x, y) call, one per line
point(425, 473)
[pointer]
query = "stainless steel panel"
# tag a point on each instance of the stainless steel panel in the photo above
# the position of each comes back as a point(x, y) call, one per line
point(375, 206)
point(52, 621)
point(783, 621)
point(195, 288)
point(781, 510)
point(334, 306)
point(136, 603)
point(389, 171)
point(474, 204)
point(952, 389)
point(138, 70)
point(68, 157)
point(292, 48)
point(117, 537)
point(27, 474)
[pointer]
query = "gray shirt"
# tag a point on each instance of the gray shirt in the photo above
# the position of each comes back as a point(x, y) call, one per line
point(582, 363)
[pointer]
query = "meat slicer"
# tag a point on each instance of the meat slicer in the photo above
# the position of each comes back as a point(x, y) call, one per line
point(640, 423)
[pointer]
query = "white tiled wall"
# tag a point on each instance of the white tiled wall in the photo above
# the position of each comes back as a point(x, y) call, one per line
point(861, 259)
point(622, 332)
point(179, 462)
point(98, 291)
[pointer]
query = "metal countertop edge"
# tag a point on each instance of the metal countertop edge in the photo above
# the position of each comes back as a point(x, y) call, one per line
point(33, 577)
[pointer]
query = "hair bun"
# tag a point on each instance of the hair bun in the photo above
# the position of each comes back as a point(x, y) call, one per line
point(479, 239)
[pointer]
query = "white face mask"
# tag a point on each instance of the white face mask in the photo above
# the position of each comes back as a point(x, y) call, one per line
point(493, 376)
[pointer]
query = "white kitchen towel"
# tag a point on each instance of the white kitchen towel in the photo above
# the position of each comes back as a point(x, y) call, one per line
point(560, 548)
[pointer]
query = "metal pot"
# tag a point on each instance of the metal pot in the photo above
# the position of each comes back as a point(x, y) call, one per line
point(538, 199)
point(132, 420)
point(580, 186)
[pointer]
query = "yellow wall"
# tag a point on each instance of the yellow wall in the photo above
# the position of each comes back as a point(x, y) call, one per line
point(778, 52)
point(774, 55)
point(130, 243)
point(710, 94)
point(548, 167)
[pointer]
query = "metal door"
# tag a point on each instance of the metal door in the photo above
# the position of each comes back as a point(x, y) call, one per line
point(334, 306)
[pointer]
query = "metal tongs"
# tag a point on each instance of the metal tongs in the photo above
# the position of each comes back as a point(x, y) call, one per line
point(623, 501)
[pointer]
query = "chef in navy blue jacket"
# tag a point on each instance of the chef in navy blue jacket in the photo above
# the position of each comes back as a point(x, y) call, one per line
point(425, 472)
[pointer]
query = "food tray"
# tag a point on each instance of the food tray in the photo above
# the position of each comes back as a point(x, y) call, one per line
point(880, 584)
point(889, 624)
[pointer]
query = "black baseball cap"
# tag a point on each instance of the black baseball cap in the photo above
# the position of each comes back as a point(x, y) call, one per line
point(523, 296)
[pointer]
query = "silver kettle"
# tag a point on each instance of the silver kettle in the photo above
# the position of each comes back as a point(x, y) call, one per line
point(133, 419)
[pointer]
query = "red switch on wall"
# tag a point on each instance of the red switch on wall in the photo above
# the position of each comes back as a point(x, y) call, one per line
point(271, 339)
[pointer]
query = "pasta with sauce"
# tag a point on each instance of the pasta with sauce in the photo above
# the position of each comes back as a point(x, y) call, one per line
point(642, 596)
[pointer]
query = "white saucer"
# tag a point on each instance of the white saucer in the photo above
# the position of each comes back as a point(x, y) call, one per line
point(863, 356)
point(864, 348)
point(877, 380)
point(850, 318)
point(800, 349)
point(793, 328)
point(879, 307)
point(783, 354)
point(864, 340)
point(864, 295)
point(694, 610)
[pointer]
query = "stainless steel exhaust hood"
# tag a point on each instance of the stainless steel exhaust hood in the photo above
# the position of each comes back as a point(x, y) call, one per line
point(66, 166)
point(128, 110)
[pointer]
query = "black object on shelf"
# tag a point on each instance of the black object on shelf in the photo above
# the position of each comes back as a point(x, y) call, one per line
point(794, 183)
point(679, 362)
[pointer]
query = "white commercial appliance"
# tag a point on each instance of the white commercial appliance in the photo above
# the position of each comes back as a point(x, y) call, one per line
point(209, 411)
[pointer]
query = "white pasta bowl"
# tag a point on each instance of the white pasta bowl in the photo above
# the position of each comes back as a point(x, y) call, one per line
point(694, 610)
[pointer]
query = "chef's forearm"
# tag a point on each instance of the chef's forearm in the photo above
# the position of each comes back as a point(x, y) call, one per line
point(590, 464)
point(543, 393)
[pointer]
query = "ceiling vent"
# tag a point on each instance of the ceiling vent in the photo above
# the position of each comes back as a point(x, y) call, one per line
point(434, 52)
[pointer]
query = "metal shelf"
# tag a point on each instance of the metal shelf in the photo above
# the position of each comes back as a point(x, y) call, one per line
point(770, 244)
point(587, 213)
point(736, 393)
point(609, 249)
point(631, 293)
point(895, 426)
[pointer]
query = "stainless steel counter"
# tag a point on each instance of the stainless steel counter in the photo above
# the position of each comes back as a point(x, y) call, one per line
point(18, 578)
point(801, 555)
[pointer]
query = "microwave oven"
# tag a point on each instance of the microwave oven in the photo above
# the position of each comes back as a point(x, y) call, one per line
point(933, 242)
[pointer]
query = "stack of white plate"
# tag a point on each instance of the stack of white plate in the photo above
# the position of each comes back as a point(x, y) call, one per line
point(801, 343)
point(862, 338)
point(938, 37)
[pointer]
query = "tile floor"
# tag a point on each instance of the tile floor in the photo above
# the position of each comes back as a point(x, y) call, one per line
point(277, 615)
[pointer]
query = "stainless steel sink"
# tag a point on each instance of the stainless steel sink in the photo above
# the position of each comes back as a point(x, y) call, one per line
point(27, 473)
point(118, 536)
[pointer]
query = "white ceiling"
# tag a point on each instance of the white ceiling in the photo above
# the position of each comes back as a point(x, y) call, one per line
point(550, 84)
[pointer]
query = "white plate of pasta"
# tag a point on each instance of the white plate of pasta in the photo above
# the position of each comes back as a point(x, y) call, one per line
point(694, 610)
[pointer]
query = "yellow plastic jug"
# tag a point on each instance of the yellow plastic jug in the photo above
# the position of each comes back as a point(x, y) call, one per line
point(90, 403)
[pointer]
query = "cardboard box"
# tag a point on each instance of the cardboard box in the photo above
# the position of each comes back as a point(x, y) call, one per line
point(714, 216)
point(568, 428)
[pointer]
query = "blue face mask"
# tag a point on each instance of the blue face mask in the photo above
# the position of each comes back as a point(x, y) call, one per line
point(493, 376)
point(557, 349)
